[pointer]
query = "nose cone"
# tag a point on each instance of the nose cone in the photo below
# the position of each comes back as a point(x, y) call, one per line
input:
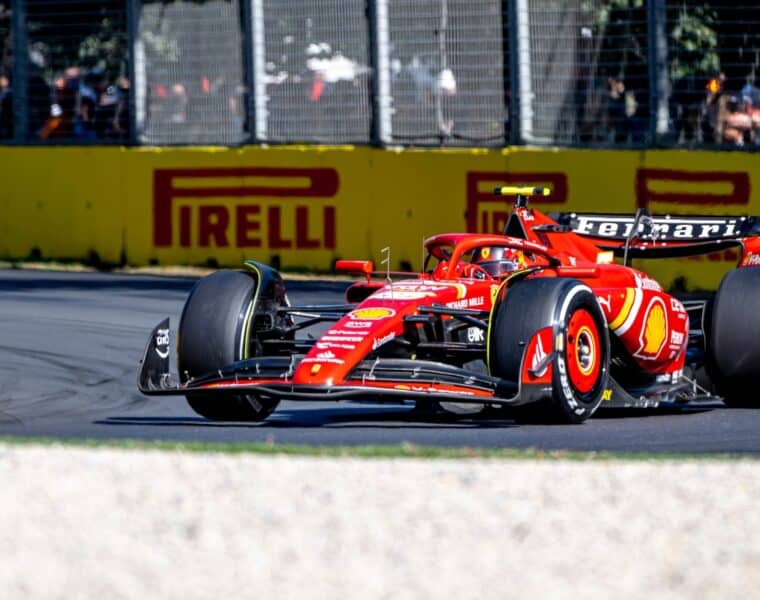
point(346, 343)
point(375, 321)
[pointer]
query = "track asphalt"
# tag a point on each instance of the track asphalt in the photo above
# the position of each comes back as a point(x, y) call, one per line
point(70, 345)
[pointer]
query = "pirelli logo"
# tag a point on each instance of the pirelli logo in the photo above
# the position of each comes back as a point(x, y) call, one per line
point(677, 190)
point(696, 188)
point(251, 207)
point(487, 213)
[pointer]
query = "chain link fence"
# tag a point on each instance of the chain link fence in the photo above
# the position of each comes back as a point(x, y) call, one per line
point(446, 72)
point(582, 72)
point(713, 60)
point(66, 66)
point(6, 68)
point(189, 73)
point(588, 73)
point(312, 58)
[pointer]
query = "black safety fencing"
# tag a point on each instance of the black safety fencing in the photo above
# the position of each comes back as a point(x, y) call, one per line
point(482, 73)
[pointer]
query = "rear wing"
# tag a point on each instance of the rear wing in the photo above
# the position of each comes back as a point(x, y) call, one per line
point(659, 236)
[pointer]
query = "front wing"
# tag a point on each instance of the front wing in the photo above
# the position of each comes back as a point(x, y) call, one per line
point(380, 379)
point(383, 379)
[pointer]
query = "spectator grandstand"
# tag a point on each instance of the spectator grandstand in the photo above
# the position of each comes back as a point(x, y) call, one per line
point(482, 73)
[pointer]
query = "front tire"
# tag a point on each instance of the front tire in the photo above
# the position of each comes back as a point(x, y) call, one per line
point(216, 329)
point(579, 367)
point(733, 352)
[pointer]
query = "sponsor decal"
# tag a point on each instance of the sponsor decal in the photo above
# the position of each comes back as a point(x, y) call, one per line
point(475, 335)
point(162, 343)
point(676, 338)
point(357, 324)
point(382, 340)
point(565, 383)
point(751, 260)
point(676, 306)
point(431, 288)
point(654, 331)
point(273, 207)
point(393, 294)
point(494, 292)
point(664, 228)
point(336, 345)
point(316, 368)
point(647, 283)
point(467, 302)
point(344, 332)
point(341, 338)
point(607, 395)
point(372, 314)
point(605, 258)
point(487, 213)
point(538, 355)
point(324, 359)
point(605, 302)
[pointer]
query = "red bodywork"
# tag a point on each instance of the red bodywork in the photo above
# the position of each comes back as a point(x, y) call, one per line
point(651, 324)
point(649, 327)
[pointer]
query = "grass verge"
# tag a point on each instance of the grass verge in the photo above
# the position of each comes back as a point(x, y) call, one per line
point(402, 450)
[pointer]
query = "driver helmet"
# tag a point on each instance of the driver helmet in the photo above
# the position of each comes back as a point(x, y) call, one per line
point(497, 260)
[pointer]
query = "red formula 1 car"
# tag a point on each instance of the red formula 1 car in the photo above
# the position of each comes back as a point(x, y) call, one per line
point(542, 315)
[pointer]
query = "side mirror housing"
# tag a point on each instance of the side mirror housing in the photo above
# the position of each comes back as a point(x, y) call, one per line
point(355, 267)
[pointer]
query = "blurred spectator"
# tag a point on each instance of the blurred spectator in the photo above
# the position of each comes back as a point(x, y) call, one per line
point(614, 111)
point(38, 98)
point(121, 123)
point(91, 91)
point(177, 103)
point(62, 120)
point(6, 109)
point(750, 94)
point(713, 107)
point(686, 108)
point(737, 126)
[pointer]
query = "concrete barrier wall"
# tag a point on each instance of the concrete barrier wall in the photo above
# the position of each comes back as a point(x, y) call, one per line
point(306, 206)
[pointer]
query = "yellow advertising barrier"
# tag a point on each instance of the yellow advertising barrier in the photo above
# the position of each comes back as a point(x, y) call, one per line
point(303, 207)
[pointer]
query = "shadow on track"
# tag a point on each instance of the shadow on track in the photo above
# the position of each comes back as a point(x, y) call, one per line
point(409, 418)
point(660, 411)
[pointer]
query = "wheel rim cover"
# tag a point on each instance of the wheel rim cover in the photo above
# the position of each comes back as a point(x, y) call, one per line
point(583, 347)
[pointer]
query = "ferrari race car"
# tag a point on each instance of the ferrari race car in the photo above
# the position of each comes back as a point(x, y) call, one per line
point(541, 316)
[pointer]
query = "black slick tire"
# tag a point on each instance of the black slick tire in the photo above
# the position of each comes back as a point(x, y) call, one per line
point(216, 330)
point(733, 349)
point(562, 304)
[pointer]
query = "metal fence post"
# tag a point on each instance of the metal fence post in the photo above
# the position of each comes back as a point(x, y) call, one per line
point(133, 17)
point(511, 69)
point(19, 83)
point(381, 126)
point(658, 75)
point(249, 72)
point(259, 110)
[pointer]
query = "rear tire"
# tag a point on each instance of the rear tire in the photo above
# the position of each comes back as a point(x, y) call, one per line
point(733, 351)
point(216, 329)
point(579, 368)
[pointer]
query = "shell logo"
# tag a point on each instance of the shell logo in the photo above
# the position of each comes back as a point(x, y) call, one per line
point(372, 314)
point(655, 330)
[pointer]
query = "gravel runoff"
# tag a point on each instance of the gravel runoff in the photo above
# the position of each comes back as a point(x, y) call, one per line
point(113, 523)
